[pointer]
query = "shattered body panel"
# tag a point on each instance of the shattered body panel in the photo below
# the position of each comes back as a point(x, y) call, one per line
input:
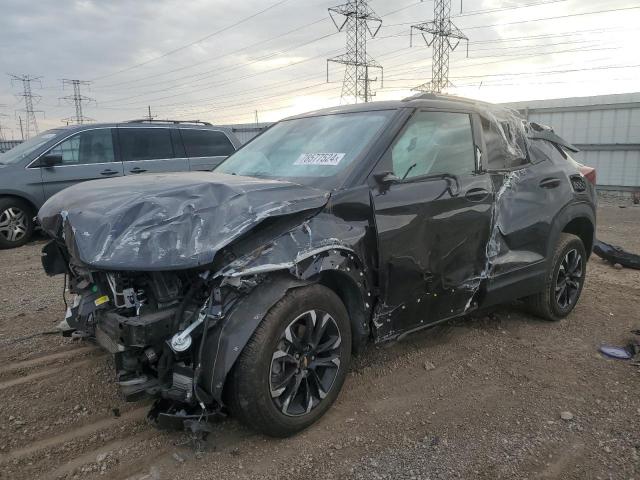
point(174, 273)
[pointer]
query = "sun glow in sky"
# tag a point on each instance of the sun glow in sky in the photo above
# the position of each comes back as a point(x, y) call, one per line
point(206, 59)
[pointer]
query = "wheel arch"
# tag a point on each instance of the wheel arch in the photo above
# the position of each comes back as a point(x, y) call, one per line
point(578, 219)
point(338, 269)
point(582, 228)
point(22, 198)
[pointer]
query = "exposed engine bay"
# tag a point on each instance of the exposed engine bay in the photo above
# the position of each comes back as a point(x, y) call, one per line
point(155, 324)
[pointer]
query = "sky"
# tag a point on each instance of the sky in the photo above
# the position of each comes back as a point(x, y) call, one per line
point(230, 62)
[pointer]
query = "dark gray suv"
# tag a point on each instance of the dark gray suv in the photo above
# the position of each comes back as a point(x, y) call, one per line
point(56, 159)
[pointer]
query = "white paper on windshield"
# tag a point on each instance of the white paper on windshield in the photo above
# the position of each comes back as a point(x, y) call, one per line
point(331, 159)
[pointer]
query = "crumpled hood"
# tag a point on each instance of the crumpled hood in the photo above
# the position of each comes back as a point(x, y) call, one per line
point(166, 221)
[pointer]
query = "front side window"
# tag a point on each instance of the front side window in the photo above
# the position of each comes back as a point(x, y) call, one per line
point(434, 143)
point(145, 144)
point(308, 149)
point(91, 146)
point(206, 143)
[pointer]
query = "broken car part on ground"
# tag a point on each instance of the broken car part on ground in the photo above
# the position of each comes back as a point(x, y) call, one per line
point(251, 286)
point(614, 254)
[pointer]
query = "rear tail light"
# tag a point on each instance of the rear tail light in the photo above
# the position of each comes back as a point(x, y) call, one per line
point(589, 173)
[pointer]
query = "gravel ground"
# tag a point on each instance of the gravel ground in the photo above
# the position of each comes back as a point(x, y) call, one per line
point(497, 395)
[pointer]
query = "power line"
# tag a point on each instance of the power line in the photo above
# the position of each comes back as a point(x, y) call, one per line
point(78, 99)
point(359, 21)
point(445, 37)
point(31, 124)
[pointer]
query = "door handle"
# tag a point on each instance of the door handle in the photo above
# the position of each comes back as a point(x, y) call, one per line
point(108, 171)
point(550, 182)
point(137, 170)
point(476, 194)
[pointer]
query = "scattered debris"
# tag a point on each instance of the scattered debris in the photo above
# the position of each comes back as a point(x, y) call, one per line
point(429, 366)
point(177, 457)
point(566, 416)
point(616, 255)
point(620, 353)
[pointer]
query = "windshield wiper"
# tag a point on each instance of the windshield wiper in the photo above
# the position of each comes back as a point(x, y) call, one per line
point(411, 167)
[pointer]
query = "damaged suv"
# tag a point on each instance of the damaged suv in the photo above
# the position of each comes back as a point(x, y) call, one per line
point(248, 289)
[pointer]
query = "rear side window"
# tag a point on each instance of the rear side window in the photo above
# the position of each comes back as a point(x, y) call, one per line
point(206, 143)
point(145, 143)
point(91, 146)
point(505, 145)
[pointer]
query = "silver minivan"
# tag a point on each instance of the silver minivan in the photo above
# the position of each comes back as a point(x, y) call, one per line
point(56, 159)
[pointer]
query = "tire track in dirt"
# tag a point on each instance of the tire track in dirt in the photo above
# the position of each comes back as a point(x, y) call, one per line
point(46, 359)
point(43, 373)
point(75, 434)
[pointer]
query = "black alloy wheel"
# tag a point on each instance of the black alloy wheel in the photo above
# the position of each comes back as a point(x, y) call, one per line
point(305, 363)
point(293, 367)
point(569, 279)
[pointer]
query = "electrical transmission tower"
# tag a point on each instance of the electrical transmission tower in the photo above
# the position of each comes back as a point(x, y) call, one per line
point(77, 98)
point(444, 37)
point(359, 22)
point(30, 123)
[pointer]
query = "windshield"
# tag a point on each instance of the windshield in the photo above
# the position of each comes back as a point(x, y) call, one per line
point(308, 149)
point(20, 151)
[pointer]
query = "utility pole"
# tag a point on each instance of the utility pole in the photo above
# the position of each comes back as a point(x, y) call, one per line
point(21, 130)
point(31, 125)
point(444, 37)
point(149, 116)
point(359, 22)
point(78, 99)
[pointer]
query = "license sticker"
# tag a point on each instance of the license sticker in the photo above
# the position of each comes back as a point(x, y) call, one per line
point(331, 159)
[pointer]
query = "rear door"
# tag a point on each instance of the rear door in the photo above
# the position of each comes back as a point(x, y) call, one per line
point(150, 150)
point(433, 221)
point(87, 155)
point(206, 149)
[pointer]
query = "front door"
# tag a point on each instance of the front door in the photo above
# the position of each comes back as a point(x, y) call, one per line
point(87, 155)
point(433, 220)
point(149, 150)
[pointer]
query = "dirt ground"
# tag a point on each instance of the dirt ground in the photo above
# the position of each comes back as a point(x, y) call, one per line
point(477, 398)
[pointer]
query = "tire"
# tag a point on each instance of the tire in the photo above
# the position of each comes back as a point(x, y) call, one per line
point(16, 222)
point(552, 304)
point(255, 392)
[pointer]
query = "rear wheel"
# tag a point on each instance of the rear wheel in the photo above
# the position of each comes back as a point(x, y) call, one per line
point(293, 368)
point(564, 282)
point(16, 223)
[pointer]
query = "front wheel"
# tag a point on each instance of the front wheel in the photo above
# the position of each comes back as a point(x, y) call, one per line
point(564, 282)
point(294, 365)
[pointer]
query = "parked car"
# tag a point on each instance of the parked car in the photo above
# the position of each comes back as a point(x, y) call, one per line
point(249, 288)
point(33, 171)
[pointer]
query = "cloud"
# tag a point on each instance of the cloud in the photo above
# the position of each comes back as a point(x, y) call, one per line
point(276, 62)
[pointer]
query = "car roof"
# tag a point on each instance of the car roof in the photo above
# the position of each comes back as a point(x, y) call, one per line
point(421, 100)
point(143, 124)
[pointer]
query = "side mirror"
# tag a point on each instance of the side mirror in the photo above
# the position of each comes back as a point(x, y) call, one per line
point(51, 159)
point(385, 179)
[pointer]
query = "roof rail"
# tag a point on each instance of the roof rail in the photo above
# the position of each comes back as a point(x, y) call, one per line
point(153, 120)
